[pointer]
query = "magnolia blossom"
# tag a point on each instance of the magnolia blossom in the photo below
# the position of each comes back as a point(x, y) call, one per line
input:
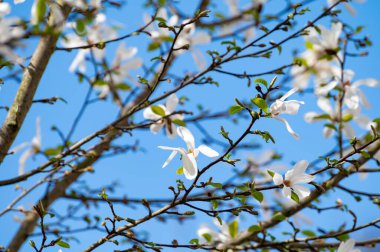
point(318, 45)
point(346, 5)
point(293, 178)
point(189, 36)
point(96, 33)
point(34, 147)
point(190, 167)
point(124, 62)
point(258, 165)
point(332, 114)
point(11, 32)
point(347, 246)
point(159, 34)
point(280, 106)
point(168, 108)
point(221, 237)
point(353, 96)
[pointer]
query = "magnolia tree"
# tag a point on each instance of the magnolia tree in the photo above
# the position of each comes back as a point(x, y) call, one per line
point(147, 90)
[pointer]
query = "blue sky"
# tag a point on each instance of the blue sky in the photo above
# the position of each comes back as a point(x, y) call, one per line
point(140, 174)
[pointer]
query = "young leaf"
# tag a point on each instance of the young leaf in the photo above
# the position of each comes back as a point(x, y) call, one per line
point(157, 110)
point(63, 244)
point(233, 228)
point(261, 103)
point(235, 109)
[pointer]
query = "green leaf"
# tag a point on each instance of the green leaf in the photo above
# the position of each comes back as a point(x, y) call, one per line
point(63, 244)
point(271, 173)
point(308, 233)
point(179, 170)
point(207, 237)
point(123, 86)
point(261, 81)
point(279, 217)
point(214, 204)
point(157, 110)
point(343, 237)
point(261, 103)
point(99, 83)
point(235, 109)
point(259, 196)
point(219, 220)
point(295, 197)
point(153, 46)
point(179, 122)
point(40, 10)
point(347, 117)
point(309, 45)
point(31, 243)
point(233, 228)
point(81, 26)
point(216, 185)
point(254, 229)
point(365, 154)
point(194, 241)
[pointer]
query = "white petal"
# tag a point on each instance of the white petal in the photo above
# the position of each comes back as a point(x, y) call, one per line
point(289, 93)
point(292, 107)
point(156, 127)
point(287, 192)
point(325, 105)
point(348, 131)
point(172, 155)
point(300, 167)
point(22, 161)
point(190, 168)
point(290, 130)
point(367, 82)
point(148, 114)
point(171, 103)
point(187, 136)
point(301, 191)
point(327, 132)
point(201, 37)
point(324, 90)
point(172, 131)
point(351, 98)
point(346, 246)
point(309, 116)
point(277, 179)
point(207, 151)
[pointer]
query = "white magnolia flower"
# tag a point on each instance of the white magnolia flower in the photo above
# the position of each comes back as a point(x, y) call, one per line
point(34, 147)
point(11, 33)
point(159, 34)
point(124, 62)
point(190, 167)
point(219, 238)
point(96, 33)
point(346, 5)
point(347, 246)
point(327, 41)
point(293, 178)
point(168, 108)
point(332, 115)
point(189, 36)
point(291, 107)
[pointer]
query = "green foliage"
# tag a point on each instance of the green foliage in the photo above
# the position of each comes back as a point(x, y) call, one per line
point(157, 110)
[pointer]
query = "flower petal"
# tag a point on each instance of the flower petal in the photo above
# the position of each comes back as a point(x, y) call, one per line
point(289, 93)
point(300, 166)
point(287, 192)
point(148, 114)
point(187, 136)
point(171, 103)
point(290, 130)
point(156, 127)
point(207, 151)
point(278, 179)
point(301, 191)
point(190, 168)
point(172, 155)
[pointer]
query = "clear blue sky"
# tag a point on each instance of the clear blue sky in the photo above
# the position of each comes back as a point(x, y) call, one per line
point(140, 174)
